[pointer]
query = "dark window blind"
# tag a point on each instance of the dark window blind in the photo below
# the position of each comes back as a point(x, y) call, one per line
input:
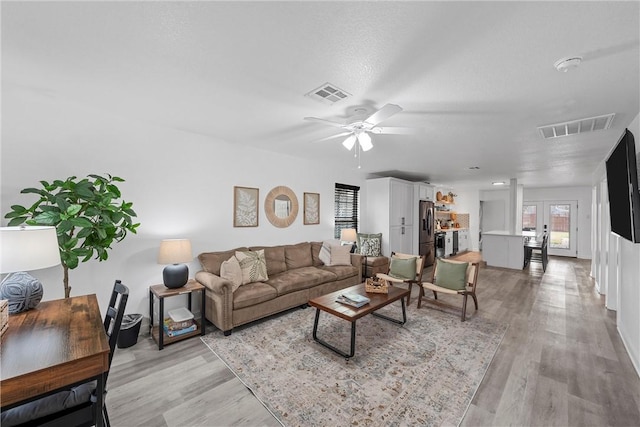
point(346, 208)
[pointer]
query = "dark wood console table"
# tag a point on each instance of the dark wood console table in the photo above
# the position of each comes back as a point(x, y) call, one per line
point(52, 347)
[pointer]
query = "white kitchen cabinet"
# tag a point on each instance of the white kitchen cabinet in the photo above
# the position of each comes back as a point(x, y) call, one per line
point(463, 240)
point(503, 249)
point(425, 191)
point(400, 239)
point(401, 208)
point(389, 210)
point(448, 243)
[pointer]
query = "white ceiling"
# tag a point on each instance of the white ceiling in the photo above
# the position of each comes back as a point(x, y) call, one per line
point(478, 77)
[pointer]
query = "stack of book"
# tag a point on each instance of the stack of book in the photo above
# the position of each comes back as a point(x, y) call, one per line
point(179, 322)
point(355, 300)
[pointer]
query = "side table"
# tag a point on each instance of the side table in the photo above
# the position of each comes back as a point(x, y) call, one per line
point(161, 292)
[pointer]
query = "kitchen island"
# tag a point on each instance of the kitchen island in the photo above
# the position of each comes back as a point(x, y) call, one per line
point(501, 248)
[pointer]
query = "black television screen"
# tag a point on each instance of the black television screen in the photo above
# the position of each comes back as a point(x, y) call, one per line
point(622, 183)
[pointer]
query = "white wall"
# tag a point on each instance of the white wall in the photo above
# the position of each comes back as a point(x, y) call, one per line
point(622, 260)
point(180, 183)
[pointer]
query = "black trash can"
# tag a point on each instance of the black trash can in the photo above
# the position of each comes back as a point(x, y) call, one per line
point(129, 330)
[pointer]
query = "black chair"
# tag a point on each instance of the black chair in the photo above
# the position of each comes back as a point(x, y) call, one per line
point(536, 251)
point(76, 406)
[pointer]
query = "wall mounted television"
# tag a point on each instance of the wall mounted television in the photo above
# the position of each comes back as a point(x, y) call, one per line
point(622, 183)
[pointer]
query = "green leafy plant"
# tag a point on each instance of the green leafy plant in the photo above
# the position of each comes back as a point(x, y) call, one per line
point(86, 213)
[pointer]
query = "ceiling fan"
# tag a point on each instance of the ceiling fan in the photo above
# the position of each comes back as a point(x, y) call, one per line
point(359, 127)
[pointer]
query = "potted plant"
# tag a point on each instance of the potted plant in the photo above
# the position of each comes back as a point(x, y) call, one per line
point(87, 214)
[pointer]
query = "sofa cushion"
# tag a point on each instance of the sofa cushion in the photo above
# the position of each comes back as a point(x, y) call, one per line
point(212, 261)
point(341, 271)
point(300, 278)
point(299, 255)
point(275, 258)
point(252, 294)
point(253, 265)
point(315, 254)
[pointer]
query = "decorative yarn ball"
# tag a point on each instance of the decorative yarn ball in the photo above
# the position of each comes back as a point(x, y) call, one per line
point(22, 291)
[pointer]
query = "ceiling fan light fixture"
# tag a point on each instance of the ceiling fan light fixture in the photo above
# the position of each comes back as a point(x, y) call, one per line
point(365, 141)
point(349, 142)
point(568, 63)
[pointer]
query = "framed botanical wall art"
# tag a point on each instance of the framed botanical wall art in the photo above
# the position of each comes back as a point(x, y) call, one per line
point(311, 208)
point(245, 207)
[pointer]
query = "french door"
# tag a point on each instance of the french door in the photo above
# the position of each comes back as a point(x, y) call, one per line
point(560, 217)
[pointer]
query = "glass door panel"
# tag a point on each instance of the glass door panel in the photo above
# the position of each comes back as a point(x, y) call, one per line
point(560, 218)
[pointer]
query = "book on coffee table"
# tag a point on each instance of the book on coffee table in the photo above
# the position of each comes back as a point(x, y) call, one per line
point(355, 300)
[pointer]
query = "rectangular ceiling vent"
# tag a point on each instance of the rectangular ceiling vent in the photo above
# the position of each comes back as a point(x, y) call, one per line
point(575, 127)
point(328, 94)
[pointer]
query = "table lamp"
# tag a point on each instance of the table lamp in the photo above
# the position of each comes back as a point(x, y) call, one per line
point(174, 253)
point(22, 249)
point(349, 235)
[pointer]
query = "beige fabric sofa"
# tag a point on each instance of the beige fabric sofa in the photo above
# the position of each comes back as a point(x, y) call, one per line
point(296, 275)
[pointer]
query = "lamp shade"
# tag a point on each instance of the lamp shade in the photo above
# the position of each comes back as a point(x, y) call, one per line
point(28, 248)
point(348, 235)
point(175, 251)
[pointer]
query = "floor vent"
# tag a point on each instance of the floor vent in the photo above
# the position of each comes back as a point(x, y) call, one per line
point(575, 127)
point(328, 94)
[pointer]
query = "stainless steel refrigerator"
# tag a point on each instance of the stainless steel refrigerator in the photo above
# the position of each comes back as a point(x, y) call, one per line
point(426, 223)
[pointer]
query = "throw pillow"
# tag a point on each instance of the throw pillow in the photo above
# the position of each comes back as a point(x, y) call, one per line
point(451, 275)
point(332, 254)
point(253, 265)
point(403, 268)
point(230, 270)
point(369, 244)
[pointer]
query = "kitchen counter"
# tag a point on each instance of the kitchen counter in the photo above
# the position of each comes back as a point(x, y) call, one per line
point(502, 248)
point(443, 230)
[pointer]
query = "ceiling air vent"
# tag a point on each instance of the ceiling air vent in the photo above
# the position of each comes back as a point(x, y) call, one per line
point(328, 93)
point(576, 126)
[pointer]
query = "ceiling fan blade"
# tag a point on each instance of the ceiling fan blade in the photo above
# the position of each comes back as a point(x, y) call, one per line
point(394, 130)
point(383, 114)
point(325, 122)
point(331, 137)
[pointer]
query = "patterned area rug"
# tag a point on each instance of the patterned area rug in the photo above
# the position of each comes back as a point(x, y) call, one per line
point(423, 373)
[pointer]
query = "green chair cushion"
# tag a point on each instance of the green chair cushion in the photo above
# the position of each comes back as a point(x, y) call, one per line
point(404, 269)
point(451, 275)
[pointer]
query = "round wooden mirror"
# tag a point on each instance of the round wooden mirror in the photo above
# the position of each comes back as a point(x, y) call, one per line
point(281, 206)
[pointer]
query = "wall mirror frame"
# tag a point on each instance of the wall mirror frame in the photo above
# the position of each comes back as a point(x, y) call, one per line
point(281, 206)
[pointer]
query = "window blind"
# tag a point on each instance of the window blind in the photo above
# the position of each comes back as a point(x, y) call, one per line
point(346, 208)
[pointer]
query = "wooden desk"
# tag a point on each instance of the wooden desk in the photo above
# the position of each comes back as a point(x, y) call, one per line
point(58, 344)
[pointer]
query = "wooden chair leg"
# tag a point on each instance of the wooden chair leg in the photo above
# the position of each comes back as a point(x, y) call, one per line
point(420, 295)
point(464, 307)
point(435, 295)
point(475, 300)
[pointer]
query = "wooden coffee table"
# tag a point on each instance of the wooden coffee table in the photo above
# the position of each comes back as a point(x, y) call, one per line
point(328, 303)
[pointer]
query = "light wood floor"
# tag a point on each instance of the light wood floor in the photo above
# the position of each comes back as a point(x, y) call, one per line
point(561, 363)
